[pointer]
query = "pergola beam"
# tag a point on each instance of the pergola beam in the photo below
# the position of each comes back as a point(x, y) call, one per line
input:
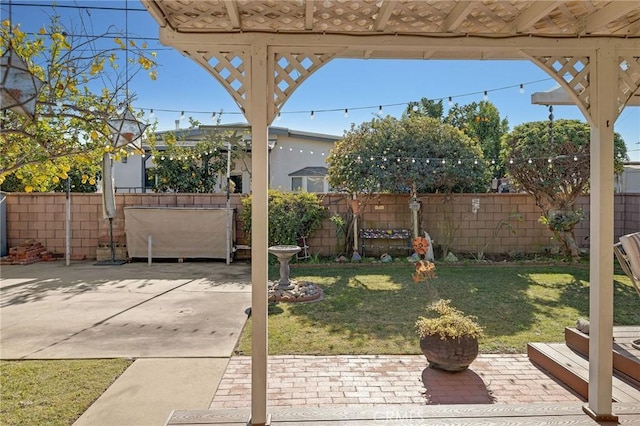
point(533, 14)
point(457, 15)
point(607, 14)
point(234, 15)
point(308, 15)
point(402, 46)
point(383, 15)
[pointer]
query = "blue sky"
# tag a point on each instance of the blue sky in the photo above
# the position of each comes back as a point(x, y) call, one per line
point(360, 86)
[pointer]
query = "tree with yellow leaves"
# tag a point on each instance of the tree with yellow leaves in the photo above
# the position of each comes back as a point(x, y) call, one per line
point(84, 87)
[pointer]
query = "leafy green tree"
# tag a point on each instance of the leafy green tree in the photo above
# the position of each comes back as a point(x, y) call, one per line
point(84, 87)
point(185, 168)
point(482, 123)
point(414, 154)
point(555, 170)
point(79, 182)
point(425, 107)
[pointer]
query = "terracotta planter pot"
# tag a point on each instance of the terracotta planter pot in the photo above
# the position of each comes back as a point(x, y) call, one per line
point(449, 354)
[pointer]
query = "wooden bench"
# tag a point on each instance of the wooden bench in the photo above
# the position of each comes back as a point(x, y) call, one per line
point(388, 239)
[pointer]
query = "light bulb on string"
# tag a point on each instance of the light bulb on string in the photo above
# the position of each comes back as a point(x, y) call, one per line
point(415, 108)
point(279, 117)
point(521, 89)
point(312, 116)
point(486, 96)
point(152, 114)
point(450, 101)
point(346, 113)
point(213, 116)
point(182, 116)
point(530, 161)
point(380, 110)
point(575, 158)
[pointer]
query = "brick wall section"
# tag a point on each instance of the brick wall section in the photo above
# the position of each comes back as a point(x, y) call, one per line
point(449, 219)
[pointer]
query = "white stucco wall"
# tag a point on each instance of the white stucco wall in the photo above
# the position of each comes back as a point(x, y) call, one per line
point(629, 180)
point(289, 154)
point(292, 154)
point(128, 176)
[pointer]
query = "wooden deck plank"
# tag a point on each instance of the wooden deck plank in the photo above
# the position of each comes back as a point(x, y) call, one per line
point(571, 368)
point(473, 414)
point(626, 359)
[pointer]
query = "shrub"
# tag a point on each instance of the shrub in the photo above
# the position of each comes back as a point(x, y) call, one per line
point(447, 322)
point(291, 215)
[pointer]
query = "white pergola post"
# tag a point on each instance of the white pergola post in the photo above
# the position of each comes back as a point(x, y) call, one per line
point(257, 115)
point(604, 90)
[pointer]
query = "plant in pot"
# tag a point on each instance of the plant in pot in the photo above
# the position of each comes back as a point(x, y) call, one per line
point(448, 337)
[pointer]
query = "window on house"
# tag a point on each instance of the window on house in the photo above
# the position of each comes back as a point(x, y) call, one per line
point(237, 180)
point(308, 183)
point(315, 184)
point(296, 184)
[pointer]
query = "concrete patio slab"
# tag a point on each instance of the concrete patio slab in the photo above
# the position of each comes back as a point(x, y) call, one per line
point(50, 311)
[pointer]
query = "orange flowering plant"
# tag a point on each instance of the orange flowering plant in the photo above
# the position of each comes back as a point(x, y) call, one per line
point(424, 269)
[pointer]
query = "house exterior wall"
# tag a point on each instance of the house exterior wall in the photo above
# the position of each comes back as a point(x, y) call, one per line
point(128, 174)
point(449, 219)
point(291, 154)
point(629, 180)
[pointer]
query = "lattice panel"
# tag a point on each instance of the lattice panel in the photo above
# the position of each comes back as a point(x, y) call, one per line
point(574, 70)
point(417, 17)
point(283, 15)
point(290, 70)
point(628, 79)
point(340, 15)
point(229, 69)
point(197, 15)
point(569, 18)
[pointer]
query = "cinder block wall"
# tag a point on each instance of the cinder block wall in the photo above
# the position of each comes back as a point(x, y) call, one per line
point(449, 219)
point(41, 217)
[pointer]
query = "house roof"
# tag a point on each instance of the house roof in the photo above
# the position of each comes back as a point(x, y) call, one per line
point(310, 171)
point(273, 131)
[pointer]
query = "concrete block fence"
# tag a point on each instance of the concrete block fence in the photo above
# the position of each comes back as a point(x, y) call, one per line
point(465, 223)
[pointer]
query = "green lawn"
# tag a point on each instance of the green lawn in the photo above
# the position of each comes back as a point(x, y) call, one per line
point(372, 308)
point(53, 392)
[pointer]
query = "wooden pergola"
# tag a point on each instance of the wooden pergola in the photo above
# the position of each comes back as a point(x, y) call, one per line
point(261, 51)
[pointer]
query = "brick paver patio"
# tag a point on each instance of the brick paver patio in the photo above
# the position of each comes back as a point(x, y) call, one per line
point(317, 381)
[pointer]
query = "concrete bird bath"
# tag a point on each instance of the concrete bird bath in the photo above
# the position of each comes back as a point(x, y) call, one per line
point(284, 255)
point(286, 289)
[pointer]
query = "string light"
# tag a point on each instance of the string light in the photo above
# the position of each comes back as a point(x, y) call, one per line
point(346, 113)
point(151, 114)
point(182, 116)
point(380, 107)
point(486, 95)
point(313, 115)
point(213, 116)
